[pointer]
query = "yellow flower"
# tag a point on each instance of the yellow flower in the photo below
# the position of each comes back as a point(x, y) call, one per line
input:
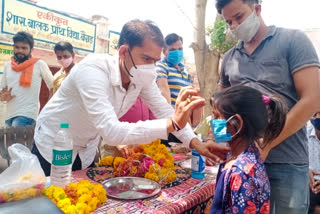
point(71, 210)
point(64, 203)
point(118, 160)
point(59, 194)
point(84, 198)
point(73, 185)
point(25, 177)
point(83, 208)
point(82, 191)
point(84, 182)
point(106, 161)
point(93, 203)
point(152, 176)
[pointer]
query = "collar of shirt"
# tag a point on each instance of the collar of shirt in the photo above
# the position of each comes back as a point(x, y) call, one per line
point(248, 159)
point(164, 60)
point(115, 76)
point(271, 31)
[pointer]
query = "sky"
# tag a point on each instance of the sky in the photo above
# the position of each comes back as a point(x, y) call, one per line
point(177, 16)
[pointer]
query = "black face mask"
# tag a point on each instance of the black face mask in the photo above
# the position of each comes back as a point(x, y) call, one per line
point(21, 60)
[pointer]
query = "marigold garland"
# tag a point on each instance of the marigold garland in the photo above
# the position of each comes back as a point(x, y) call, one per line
point(82, 197)
point(152, 161)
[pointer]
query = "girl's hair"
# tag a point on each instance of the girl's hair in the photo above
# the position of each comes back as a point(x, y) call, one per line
point(263, 116)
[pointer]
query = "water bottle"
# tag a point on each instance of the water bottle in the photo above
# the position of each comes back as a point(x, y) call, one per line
point(198, 165)
point(61, 165)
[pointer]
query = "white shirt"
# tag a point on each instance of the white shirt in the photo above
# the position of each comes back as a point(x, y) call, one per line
point(314, 149)
point(91, 99)
point(26, 101)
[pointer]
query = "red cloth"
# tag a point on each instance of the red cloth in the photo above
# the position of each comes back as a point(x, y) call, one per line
point(139, 111)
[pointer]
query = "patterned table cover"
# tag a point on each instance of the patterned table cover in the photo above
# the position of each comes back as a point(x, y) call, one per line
point(189, 195)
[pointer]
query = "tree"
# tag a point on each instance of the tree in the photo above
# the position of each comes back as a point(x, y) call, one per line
point(207, 57)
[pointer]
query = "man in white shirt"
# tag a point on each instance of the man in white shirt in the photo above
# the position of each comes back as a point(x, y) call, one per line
point(21, 82)
point(313, 130)
point(100, 89)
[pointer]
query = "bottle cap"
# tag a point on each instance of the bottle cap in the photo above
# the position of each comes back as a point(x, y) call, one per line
point(64, 125)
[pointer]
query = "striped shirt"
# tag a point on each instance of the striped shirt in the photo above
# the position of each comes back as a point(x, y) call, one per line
point(176, 79)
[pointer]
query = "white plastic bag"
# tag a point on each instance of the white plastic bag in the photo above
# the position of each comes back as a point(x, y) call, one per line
point(24, 178)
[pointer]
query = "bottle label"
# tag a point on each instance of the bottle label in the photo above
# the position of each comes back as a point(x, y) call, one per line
point(62, 158)
point(198, 163)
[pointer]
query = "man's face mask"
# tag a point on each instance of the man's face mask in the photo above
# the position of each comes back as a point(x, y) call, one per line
point(219, 130)
point(316, 123)
point(141, 75)
point(65, 63)
point(248, 28)
point(175, 57)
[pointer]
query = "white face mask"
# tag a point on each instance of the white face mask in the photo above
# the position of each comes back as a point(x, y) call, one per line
point(248, 28)
point(143, 75)
point(65, 63)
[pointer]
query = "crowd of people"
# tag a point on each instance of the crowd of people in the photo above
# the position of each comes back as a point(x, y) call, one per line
point(269, 90)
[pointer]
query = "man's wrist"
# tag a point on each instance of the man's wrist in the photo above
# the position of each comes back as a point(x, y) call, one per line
point(194, 143)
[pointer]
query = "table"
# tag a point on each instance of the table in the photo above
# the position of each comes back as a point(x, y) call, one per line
point(186, 195)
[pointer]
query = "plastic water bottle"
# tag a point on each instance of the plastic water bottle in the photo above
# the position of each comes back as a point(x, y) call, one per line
point(198, 165)
point(61, 165)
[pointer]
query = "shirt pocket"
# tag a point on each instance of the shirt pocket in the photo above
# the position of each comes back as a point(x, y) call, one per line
point(273, 72)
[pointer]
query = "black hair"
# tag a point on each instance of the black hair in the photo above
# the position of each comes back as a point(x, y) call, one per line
point(220, 4)
point(172, 38)
point(136, 31)
point(25, 37)
point(63, 46)
point(260, 119)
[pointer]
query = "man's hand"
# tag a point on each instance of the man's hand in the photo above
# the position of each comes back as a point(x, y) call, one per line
point(314, 184)
point(215, 152)
point(125, 150)
point(311, 179)
point(5, 94)
point(316, 187)
point(264, 152)
point(188, 100)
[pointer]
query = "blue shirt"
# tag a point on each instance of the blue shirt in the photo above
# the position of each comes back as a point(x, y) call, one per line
point(176, 79)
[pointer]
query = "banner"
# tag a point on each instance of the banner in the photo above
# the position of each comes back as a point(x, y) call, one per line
point(6, 50)
point(47, 25)
point(113, 42)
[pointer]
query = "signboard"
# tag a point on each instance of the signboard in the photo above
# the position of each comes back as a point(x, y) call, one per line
point(113, 42)
point(6, 50)
point(47, 25)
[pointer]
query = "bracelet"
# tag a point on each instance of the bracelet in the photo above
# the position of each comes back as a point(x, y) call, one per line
point(175, 125)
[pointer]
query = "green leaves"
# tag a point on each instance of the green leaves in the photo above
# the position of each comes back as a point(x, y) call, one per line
point(221, 39)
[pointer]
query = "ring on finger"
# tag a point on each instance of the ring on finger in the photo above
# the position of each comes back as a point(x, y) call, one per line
point(189, 100)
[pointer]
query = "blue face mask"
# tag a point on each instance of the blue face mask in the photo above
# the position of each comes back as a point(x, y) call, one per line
point(175, 57)
point(316, 123)
point(219, 130)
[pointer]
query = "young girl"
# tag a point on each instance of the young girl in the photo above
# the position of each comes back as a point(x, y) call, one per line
point(242, 184)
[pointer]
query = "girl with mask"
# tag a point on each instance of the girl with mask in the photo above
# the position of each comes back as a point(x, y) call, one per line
point(65, 57)
point(242, 117)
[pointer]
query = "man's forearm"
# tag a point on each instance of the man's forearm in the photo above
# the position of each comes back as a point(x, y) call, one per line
point(166, 95)
point(297, 117)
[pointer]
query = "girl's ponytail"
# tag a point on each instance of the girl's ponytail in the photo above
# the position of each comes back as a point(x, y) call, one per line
point(277, 115)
